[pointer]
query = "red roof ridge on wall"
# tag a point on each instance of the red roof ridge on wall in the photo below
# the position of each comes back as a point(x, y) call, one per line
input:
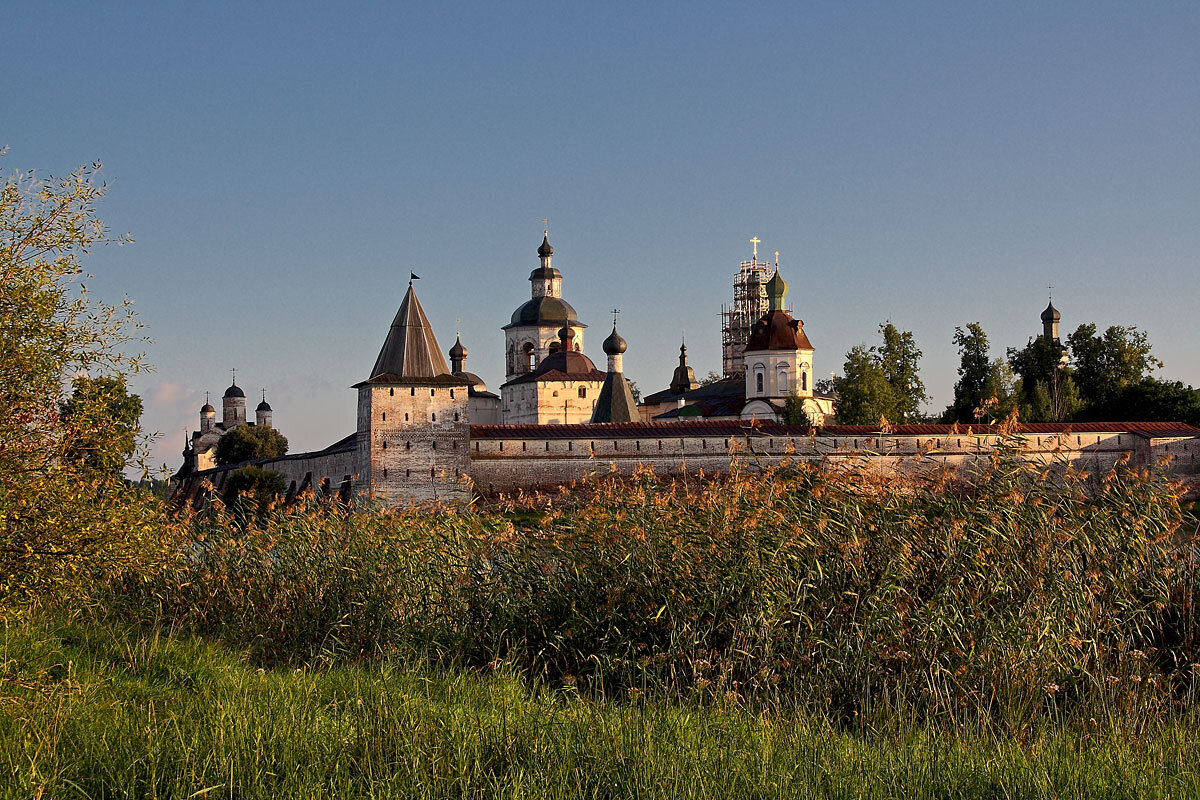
point(602, 430)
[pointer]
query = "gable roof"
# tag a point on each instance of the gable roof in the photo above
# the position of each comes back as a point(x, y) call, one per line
point(410, 349)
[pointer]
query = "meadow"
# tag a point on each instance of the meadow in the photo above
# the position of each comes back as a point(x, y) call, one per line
point(1020, 631)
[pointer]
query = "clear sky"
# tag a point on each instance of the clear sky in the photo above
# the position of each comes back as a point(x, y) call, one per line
point(282, 167)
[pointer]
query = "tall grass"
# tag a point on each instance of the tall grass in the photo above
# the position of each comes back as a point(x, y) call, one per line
point(90, 710)
point(1019, 594)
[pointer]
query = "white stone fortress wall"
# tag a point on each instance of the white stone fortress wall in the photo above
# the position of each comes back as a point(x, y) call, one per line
point(426, 459)
point(504, 458)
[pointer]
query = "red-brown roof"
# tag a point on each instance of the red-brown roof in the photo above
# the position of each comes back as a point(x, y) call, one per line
point(632, 430)
point(778, 330)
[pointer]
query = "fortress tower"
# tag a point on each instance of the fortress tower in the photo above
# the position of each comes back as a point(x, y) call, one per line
point(413, 427)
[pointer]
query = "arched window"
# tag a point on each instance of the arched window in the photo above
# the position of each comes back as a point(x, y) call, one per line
point(783, 380)
point(583, 391)
point(804, 381)
point(758, 382)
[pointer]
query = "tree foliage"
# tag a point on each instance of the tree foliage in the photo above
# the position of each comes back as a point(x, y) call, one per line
point(900, 360)
point(882, 381)
point(794, 413)
point(250, 443)
point(864, 395)
point(107, 418)
point(66, 513)
point(1046, 390)
point(984, 390)
point(1106, 364)
point(252, 490)
point(1148, 400)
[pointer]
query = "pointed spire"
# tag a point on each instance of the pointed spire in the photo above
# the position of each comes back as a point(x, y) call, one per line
point(683, 379)
point(410, 349)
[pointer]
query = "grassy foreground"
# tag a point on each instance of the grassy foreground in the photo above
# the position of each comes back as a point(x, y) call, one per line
point(104, 710)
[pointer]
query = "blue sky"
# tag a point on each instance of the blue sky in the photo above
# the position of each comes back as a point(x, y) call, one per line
point(283, 167)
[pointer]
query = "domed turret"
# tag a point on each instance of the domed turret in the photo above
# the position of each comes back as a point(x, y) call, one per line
point(545, 250)
point(1050, 320)
point(263, 413)
point(208, 416)
point(233, 406)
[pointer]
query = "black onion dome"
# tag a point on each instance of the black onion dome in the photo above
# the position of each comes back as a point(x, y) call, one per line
point(545, 311)
point(545, 249)
point(458, 351)
point(234, 391)
point(207, 409)
point(263, 406)
point(614, 345)
point(1051, 314)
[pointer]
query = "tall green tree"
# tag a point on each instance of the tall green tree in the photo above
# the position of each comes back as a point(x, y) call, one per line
point(249, 443)
point(63, 522)
point(864, 394)
point(1045, 391)
point(900, 360)
point(1105, 364)
point(107, 418)
point(984, 390)
point(1148, 400)
point(794, 413)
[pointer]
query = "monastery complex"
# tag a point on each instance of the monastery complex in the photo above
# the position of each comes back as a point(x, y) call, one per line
point(429, 430)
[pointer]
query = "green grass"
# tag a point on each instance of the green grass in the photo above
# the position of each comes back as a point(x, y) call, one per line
point(104, 710)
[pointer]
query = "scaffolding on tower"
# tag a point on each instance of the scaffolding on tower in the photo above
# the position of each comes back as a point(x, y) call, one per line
point(748, 306)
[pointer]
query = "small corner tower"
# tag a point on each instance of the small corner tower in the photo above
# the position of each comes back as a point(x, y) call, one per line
point(208, 416)
point(483, 407)
point(615, 403)
point(263, 413)
point(684, 378)
point(413, 429)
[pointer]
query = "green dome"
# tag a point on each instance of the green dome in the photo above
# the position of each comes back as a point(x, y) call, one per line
point(777, 291)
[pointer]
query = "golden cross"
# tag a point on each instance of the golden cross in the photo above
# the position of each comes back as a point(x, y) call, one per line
point(754, 241)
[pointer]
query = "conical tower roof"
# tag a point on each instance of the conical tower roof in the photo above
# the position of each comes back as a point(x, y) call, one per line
point(410, 351)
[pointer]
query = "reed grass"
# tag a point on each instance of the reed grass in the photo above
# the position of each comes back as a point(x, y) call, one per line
point(1017, 595)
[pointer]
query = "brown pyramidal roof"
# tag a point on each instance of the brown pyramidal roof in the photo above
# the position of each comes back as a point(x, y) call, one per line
point(410, 350)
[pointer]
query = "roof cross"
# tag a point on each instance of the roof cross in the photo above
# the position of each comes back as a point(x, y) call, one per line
point(754, 241)
point(234, 371)
point(1050, 288)
point(615, 311)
